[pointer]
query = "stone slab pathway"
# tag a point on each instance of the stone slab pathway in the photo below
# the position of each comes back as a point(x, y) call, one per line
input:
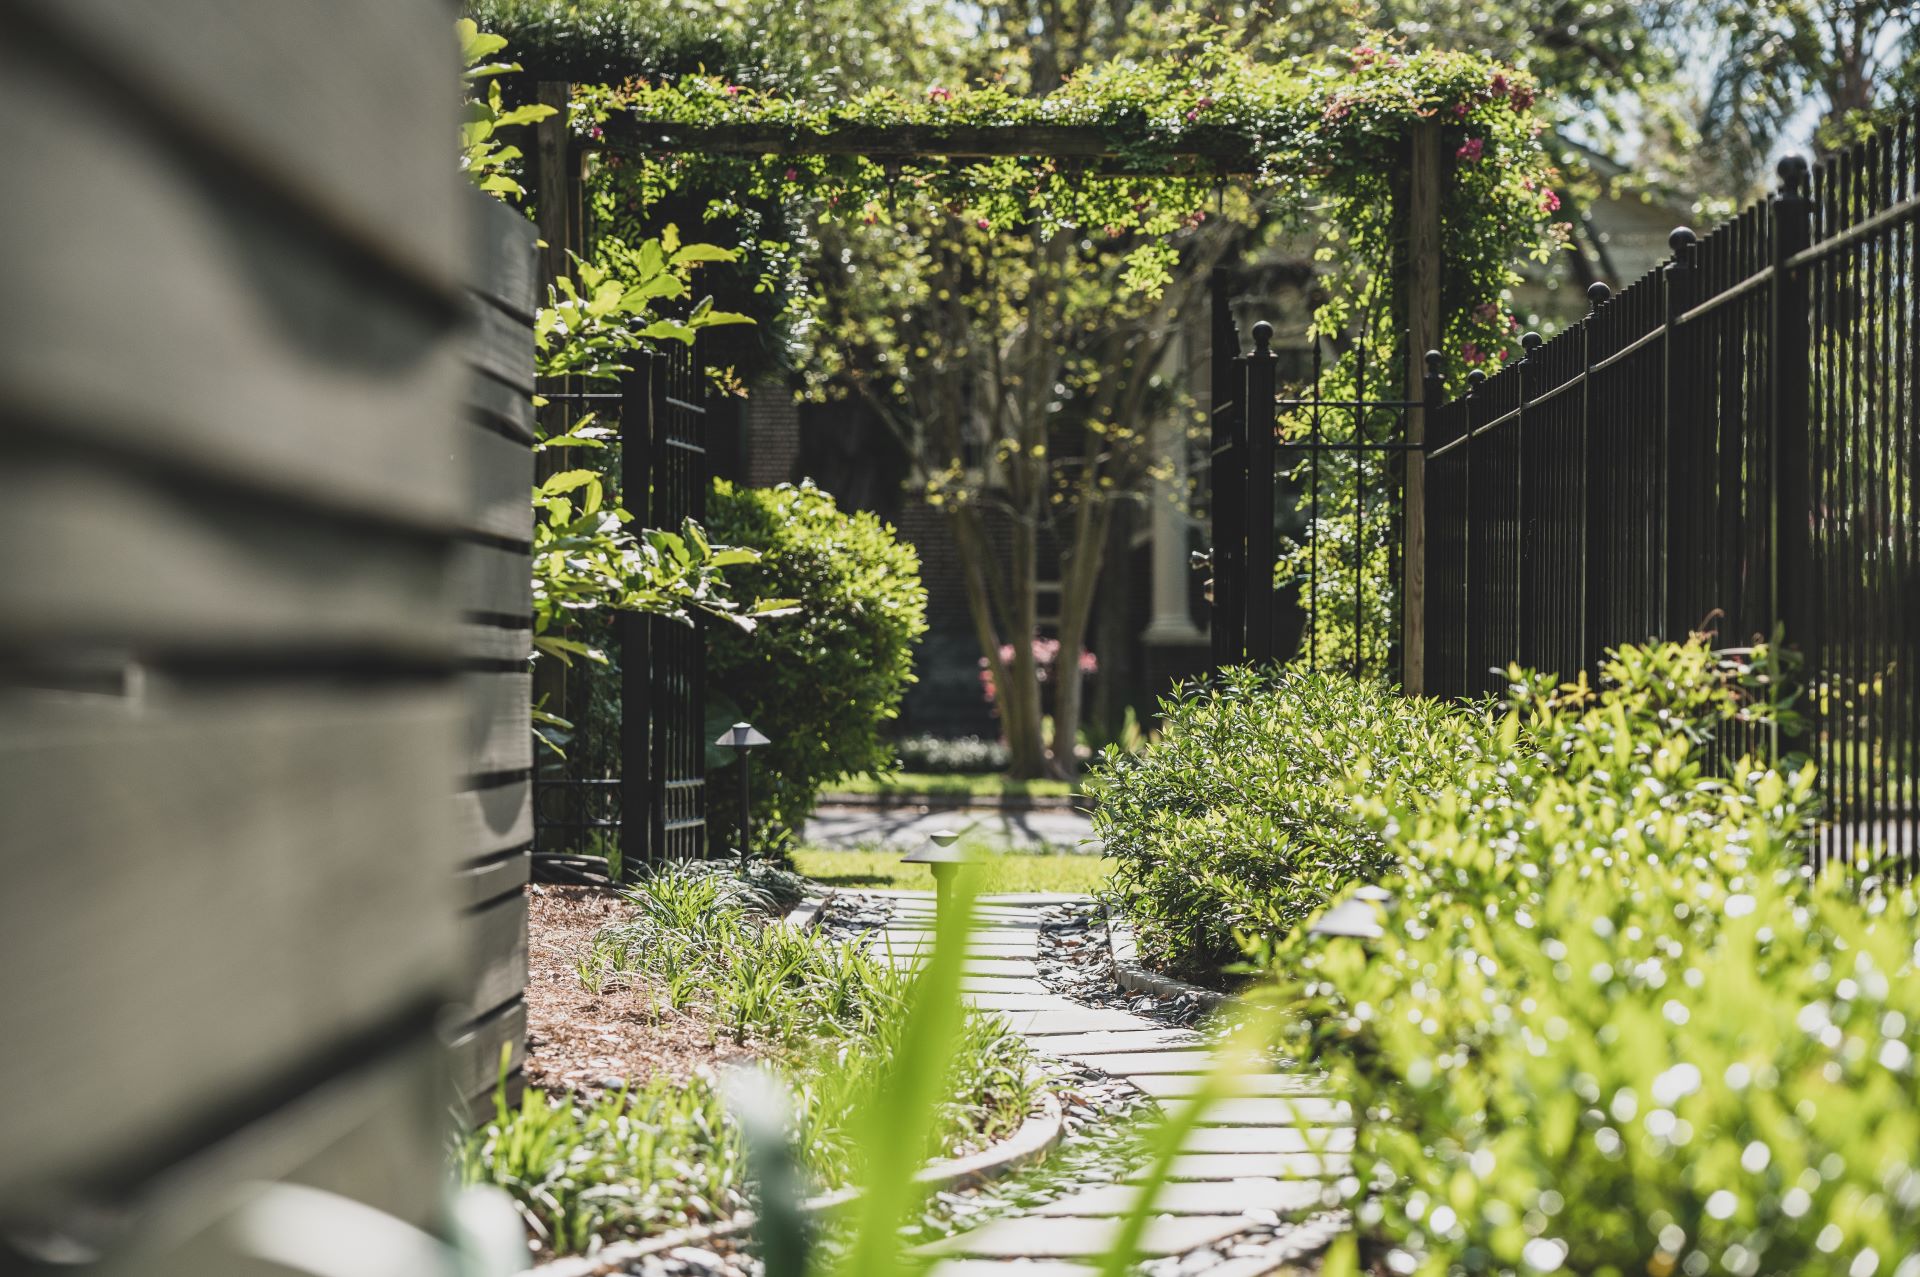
point(1260, 1159)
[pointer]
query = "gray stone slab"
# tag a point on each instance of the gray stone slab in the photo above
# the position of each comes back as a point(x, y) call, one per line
point(1022, 1002)
point(1014, 968)
point(1000, 984)
point(1131, 1064)
point(976, 948)
point(1093, 1044)
point(1171, 1086)
point(1269, 1139)
point(1299, 1111)
point(1283, 1197)
point(1053, 1021)
point(1011, 1268)
point(1212, 1166)
point(1074, 1237)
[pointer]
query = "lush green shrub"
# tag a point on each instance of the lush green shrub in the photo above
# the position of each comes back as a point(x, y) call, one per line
point(1614, 1027)
point(974, 755)
point(821, 684)
point(1236, 818)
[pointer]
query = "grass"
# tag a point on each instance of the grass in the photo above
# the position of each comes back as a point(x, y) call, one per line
point(1011, 872)
point(829, 1017)
point(955, 784)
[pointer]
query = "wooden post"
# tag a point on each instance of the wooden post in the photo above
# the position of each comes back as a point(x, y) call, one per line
point(1423, 334)
point(551, 176)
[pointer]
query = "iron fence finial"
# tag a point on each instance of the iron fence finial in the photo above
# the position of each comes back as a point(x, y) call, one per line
point(1793, 172)
point(1598, 294)
point(1262, 336)
point(1531, 342)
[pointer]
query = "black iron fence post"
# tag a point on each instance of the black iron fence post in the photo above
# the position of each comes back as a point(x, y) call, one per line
point(1678, 484)
point(1526, 622)
point(1257, 408)
point(1477, 530)
point(1791, 591)
point(1227, 481)
point(637, 389)
point(1593, 510)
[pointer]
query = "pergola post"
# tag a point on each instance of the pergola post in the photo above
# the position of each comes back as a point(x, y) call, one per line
point(1423, 334)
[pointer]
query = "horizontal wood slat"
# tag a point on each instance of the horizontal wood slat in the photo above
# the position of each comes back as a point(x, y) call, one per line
point(491, 581)
point(506, 266)
point(475, 1056)
point(177, 323)
point(498, 406)
point(496, 940)
point(489, 880)
point(259, 87)
point(500, 486)
point(210, 892)
point(499, 735)
point(128, 559)
point(493, 818)
point(501, 346)
point(495, 644)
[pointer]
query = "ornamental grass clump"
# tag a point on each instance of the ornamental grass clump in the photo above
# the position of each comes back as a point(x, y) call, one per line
point(1615, 1026)
point(1239, 821)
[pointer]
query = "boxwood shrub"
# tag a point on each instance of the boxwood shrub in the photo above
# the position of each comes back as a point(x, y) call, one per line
point(822, 684)
point(1237, 819)
point(1615, 1026)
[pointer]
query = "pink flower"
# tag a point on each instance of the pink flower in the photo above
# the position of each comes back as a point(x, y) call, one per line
point(983, 224)
point(1472, 353)
point(792, 173)
point(1486, 311)
point(1459, 110)
point(1470, 150)
point(1521, 98)
point(1551, 203)
point(733, 90)
point(1499, 85)
point(940, 95)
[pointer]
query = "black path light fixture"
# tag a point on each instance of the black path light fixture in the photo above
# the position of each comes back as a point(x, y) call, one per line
point(742, 738)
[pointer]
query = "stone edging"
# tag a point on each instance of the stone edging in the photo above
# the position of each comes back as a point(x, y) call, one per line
point(1137, 979)
point(1037, 1137)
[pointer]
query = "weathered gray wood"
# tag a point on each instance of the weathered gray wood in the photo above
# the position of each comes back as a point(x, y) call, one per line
point(501, 345)
point(493, 818)
point(260, 87)
point(495, 643)
point(497, 954)
point(506, 265)
point(175, 322)
point(207, 894)
point(499, 734)
point(488, 880)
point(114, 557)
point(375, 1134)
point(489, 581)
point(504, 408)
point(500, 484)
point(474, 1056)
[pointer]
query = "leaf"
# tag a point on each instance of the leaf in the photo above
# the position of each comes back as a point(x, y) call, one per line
point(692, 253)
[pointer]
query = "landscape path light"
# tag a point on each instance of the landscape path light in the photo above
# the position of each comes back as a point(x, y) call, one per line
point(1359, 917)
point(944, 859)
point(742, 738)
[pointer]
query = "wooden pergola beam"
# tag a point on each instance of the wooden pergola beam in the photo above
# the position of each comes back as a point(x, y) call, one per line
point(1202, 152)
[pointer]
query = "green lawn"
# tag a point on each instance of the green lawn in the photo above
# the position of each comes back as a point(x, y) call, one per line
point(1005, 873)
point(964, 784)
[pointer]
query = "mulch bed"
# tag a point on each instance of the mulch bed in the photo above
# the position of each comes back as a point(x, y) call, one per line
point(586, 1042)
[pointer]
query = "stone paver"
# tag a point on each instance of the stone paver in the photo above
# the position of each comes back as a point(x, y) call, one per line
point(1074, 1237)
point(1173, 1086)
point(1283, 1197)
point(1203, 1166)
point(1257, 1159)
point(1046, 829)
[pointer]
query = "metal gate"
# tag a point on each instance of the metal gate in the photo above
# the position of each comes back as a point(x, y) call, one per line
point(631, 788)
point(1307, 500)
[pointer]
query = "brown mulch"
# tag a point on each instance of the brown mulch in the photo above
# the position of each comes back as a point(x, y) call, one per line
point(581, 1041)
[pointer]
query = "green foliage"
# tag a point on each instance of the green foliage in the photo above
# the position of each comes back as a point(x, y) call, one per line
point(485, 158)
point(1615, 1027)
point(823, 684)
point(836, 1021)
point(1235, 822)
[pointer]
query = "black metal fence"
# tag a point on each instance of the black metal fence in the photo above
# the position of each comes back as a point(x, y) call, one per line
point(1728, 444)
point(632, 783)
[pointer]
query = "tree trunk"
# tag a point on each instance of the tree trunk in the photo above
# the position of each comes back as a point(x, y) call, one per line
point(1081, 576)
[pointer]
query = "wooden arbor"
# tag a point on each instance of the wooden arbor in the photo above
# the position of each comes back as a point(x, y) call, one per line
point(1223, 154)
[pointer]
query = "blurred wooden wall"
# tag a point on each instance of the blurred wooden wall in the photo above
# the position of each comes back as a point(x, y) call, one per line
point(263, 518)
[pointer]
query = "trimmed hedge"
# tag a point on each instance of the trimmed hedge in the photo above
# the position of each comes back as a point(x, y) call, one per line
point(822, 684)
point(1235, 820)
